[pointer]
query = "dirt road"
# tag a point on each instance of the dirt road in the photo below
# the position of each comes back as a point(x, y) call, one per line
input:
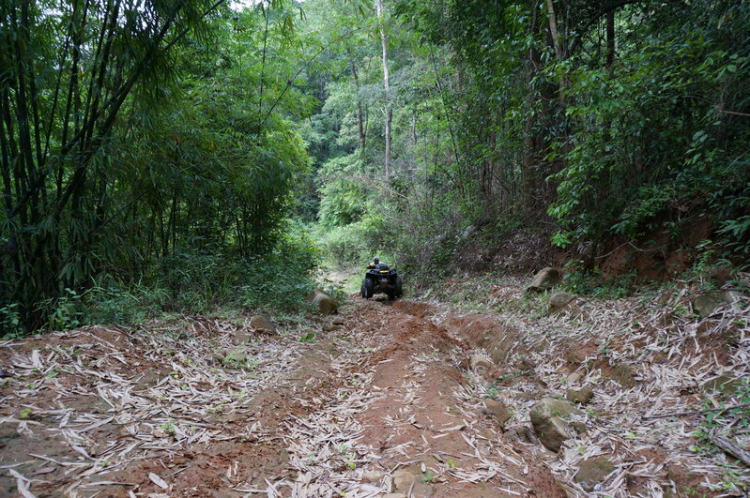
point(385, 403)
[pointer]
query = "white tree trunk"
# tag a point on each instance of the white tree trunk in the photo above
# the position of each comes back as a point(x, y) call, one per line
point(387, 86)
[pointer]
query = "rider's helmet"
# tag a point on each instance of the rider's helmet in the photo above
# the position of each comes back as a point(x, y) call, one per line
point(376, 260)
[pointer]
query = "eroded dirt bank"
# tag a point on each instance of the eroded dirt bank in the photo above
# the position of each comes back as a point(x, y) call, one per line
point(393, 400)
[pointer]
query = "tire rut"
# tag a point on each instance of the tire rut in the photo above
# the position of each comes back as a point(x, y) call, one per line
point(378, 407)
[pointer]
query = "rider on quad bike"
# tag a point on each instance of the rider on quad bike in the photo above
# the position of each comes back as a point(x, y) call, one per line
point(379, 278)
point(375, 264)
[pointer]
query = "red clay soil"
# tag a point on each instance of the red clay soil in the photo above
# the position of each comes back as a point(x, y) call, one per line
point(658, 255)
point(110, 412)
point(421, 421)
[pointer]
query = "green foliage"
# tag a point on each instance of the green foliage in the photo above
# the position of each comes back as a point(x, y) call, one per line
point(10, 320)
point(162, 166)
point(729, 421)
point(648, 137)
point(308, 338)
point(735, 224)
point(281, 281)
point(72, 71)
point(344, 200)
point(338, 292)
point(355, 244)
point(65, 311)
point(580, 280)
point(98, 305)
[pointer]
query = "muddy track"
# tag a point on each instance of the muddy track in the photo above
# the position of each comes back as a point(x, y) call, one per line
point(391, 401)
point(377, 406)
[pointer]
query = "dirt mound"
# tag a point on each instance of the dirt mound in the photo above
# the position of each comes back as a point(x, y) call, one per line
point(420, 310)
point(425, 416)
point(483, 331)
point(658, 255)
point(521, 251)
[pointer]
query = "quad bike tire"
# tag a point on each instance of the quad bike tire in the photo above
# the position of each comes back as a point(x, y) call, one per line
point(398, 290)
point(367, 288)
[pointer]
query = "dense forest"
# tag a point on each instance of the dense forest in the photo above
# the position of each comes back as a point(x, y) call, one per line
point(190, 154)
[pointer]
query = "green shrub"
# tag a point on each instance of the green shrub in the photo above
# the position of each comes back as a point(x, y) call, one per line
point(281, 280)
point(356, 243)
point(124, 305)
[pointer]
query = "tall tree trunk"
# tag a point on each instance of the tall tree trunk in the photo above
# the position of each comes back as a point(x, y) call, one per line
point(610, 38)
point(557, 45)
point(360, 112)
point(387, 86)
point(531, 145)
point(553, 30)
point(539, 100)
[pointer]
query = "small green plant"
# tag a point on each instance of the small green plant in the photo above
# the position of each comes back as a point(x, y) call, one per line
point(730, 482)
point(65, 311)
point(429, 476)
point(308, 338)
point(168, 426)
point(216, 409)
point(580, 280)
point(10, 321)
point(713, 420)
point(691, 491)
point(338, 292)
point(26, 413)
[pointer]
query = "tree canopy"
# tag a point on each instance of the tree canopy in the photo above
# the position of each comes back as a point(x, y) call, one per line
point(175, 145)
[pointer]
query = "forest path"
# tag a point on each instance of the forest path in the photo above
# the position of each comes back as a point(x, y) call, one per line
point(385, 399)
point(192, 408)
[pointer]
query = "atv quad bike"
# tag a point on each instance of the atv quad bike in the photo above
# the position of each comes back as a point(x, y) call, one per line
point(381, 280)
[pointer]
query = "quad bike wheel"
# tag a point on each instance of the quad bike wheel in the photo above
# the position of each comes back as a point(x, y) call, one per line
point(367, 288)
point(397, 290)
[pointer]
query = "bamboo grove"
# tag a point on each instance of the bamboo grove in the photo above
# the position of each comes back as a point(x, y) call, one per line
point(123, 146)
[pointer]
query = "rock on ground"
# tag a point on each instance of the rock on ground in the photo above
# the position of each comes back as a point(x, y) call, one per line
point(581, 396)
point(558, 300)
point(545, 279)
point(550, 418)
point(323, 302)
point(498, 411)
point(707, 303)
point(593, 471)
point(480, 361)
point(262, 324)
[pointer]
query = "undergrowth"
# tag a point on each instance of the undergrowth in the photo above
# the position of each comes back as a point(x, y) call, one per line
point(730, 421)
point(277, 282)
